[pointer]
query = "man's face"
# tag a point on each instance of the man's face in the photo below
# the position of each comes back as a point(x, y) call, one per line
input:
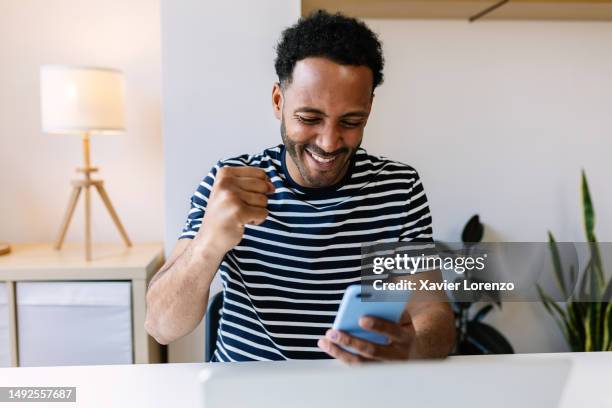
point(323, 112)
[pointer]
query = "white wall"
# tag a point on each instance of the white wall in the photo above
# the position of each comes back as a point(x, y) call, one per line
point(497, 117)
point(36, 169)
point(218, 71)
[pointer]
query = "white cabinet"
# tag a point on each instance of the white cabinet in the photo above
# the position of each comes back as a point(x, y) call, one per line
point(74, 323)
point(58, 309)
point(5, 347)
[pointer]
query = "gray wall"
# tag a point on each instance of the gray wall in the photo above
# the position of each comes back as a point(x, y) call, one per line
point(497, 117)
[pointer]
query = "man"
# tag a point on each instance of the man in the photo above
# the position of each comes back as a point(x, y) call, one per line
point(284, 227)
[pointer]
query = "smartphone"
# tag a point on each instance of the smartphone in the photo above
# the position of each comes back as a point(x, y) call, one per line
point(354, 306)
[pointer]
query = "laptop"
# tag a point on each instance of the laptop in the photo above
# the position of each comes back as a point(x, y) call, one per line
point(474, 382)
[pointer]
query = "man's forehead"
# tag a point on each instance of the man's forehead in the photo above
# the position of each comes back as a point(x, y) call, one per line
point(317, 82)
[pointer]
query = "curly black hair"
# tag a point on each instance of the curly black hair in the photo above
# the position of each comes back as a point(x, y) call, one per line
point(342, 39)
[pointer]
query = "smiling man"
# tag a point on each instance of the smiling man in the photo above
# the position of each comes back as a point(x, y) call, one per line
point(284, 227)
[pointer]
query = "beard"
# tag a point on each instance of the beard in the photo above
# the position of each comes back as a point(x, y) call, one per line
point(313, 177)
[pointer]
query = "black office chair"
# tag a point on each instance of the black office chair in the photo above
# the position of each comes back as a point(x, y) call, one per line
point(211, 324)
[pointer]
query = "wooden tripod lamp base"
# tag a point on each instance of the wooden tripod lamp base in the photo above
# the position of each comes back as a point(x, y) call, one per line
point(86, 185)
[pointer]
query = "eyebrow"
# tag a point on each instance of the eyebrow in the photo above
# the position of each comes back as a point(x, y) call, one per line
point(306, 109)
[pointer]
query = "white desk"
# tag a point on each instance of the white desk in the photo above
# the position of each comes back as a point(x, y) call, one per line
point(176, 385)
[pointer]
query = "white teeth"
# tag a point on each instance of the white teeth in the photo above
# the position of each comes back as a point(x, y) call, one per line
point(319, 158)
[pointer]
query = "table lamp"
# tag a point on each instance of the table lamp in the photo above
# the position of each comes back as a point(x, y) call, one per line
point(83, 101)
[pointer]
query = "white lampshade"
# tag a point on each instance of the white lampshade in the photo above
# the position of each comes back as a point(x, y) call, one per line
point(81, 99)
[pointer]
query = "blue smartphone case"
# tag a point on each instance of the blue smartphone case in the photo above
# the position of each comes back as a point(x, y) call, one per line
point(353, 307)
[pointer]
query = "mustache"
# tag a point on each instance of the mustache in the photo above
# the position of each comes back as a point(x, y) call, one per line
point(320, 152)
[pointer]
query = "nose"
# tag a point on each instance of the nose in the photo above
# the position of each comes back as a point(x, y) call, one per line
point(330, 138)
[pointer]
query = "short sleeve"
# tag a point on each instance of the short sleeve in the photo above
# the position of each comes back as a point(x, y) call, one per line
point(418, 224)
point(198, 203)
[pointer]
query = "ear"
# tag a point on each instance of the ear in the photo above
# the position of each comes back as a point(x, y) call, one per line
point(369, 109)
point(277, 100)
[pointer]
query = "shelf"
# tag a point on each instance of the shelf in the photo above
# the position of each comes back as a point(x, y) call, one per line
point(110, 262)
point(588, 10)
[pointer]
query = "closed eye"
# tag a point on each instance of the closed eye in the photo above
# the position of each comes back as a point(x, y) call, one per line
point(307, 121)
point(350, 124)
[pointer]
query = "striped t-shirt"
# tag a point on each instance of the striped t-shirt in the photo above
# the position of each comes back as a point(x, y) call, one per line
point(283, 283)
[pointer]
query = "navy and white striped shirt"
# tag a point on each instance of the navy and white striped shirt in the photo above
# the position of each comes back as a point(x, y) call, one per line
point(284, 281)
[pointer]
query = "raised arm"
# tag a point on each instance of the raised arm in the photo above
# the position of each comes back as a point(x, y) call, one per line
point(178, 293)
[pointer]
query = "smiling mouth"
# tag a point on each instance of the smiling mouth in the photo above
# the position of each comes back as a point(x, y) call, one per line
point(321, 161)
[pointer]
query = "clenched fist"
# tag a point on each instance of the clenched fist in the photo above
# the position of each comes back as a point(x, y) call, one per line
point(238, 197)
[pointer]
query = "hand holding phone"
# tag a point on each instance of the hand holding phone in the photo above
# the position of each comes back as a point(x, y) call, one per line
point(354, 306)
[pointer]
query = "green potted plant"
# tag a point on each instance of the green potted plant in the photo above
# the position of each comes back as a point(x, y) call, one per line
point(585, 319)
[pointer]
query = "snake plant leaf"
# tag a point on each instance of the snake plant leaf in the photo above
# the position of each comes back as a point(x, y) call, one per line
point(607, 293)
point(572, 282)
point(586, 321)
point(547, 303)
point(473, 230)
point(598, 263)
point(575, 326)
point(598, 271)
point(595, 286)
point(543, 298)
point(595, 323)
point(582, 294)
point(588, 341)
point(554, 306)
point(576, 313)
point(589, 227)
point(589, 213)
point(551, 305)
point(608, 329)
point(558, 269)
